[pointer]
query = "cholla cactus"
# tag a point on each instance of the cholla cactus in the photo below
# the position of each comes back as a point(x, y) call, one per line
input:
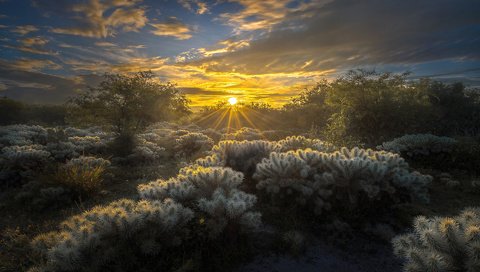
point(121, 234)
point(62, 151)
point(242, 156)
point(21, 163)
point(300, 142)
point(22, 135)
point(193, 143)
point(146, 152)
point(213, 134)
point(442, 243)
point(88, 144)
point(78, 132)
point(213, 191)
point(244, 134)
point(412, 145)
point(311, 177)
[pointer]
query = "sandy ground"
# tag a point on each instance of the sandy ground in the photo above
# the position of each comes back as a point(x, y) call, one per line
point(359, 256)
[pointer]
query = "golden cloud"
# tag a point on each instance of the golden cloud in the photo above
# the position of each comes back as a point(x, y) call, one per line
point(94, 23)
point(24, 30)
point(172, 27)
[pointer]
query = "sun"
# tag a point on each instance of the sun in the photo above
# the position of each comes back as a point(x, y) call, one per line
point(232, 100)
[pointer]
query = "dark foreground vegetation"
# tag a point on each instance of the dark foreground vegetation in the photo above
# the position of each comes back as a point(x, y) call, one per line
point(124, 177)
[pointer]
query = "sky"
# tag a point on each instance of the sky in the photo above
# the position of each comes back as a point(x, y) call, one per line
point(262, 51)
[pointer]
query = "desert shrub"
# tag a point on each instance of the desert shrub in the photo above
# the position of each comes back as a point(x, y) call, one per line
point(125, 104)
point(192, 144)
point(442, 243)
point(364, 107)
point(84, 175)
point(19, 164)
point(212, 192)
point(123, 236)
point(355, 183)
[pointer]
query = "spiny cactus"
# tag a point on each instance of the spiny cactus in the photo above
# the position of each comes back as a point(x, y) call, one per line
point(88, 144)
point(300, 142)
point(442, 243)
point(241, 155)
point(213, 191)
point(311, 177)
point(19, 164)
point(121, 235)
point(193, 143)
point(145, 151)
point(412, 145)
point(244, 134)
point(22, 135)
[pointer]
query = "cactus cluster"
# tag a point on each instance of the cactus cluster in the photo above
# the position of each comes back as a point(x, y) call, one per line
point(22, 135)
point(244, 134)
point(412, 145)
point(301, 142)
point(442, 243)
point(212, 192)
point(323, 181)
point(22, 163)
point(122, 235)
point(193, 143)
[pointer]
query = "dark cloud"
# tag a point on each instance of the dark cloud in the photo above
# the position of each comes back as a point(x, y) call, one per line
point(349, 33)
point(35, 87)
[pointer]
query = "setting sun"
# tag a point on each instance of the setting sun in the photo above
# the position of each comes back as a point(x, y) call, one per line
point(232, 101)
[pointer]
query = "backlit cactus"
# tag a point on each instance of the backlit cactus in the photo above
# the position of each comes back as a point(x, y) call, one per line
point(442, 243)
point(192, 144)
point(323, 181)
point(117, 235)
point(213, 191)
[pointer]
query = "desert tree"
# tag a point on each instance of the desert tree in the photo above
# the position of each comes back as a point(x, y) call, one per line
point(126, 103)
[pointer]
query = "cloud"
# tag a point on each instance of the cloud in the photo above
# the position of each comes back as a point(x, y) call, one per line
point(348, 33)
point(30, 64)
point(35, 87)
point(225, 46)
point(33, 45)
point(101, 19)
point(33, 41)
point(105, 44)
point(263, 15)
point(24, 30)
point(173, 28)
point(195, 6)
